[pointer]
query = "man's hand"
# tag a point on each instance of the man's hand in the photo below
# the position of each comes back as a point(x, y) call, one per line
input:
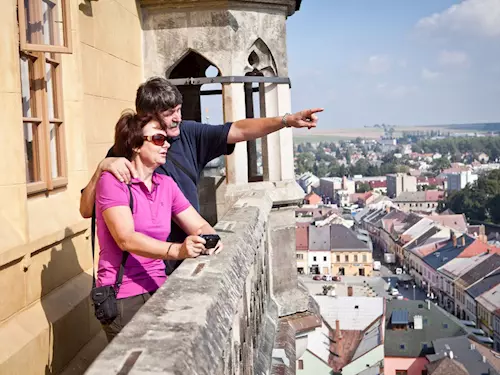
point(192, 247)
point(121, 168)
point(304, 119)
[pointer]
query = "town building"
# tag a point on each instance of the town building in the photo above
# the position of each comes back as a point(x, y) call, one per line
point(351, 339)
point(458, 180)
point(308, 182)
point(419, 201)
point(319, 255)
point(302, 245)
point(349, 255)
point(487, 303)
point(411, 329)
point(399, 183)
point(457, 356)
point(465, 304)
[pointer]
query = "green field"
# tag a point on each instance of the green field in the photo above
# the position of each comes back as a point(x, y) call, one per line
point(331, 135)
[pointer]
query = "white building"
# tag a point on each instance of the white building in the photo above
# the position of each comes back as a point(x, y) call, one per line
point(307, 181)
point(319, 254)
point(458, 180)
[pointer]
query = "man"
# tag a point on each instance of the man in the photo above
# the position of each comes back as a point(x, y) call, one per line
point(193, 144)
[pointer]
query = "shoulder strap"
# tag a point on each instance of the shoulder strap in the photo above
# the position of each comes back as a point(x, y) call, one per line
point(119, 276)
point(180, 166)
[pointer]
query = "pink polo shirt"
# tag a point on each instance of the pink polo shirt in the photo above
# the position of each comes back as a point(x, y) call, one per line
point(152, 216)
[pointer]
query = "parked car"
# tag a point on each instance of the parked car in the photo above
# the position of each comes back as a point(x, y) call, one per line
point(336, 278)
point(327, 278)
point(317, 277)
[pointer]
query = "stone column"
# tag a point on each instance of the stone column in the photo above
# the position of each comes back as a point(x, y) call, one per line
point(233, 99)
point(271, 155)
point(277, 148)
point(251, 145)
point(286, 135)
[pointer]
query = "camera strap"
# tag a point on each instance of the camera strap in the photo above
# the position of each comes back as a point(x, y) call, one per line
point(119, 275)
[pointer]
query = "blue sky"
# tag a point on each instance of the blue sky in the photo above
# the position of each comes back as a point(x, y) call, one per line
point(401, 62)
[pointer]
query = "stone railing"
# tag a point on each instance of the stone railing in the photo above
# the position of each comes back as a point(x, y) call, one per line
point(234, 313)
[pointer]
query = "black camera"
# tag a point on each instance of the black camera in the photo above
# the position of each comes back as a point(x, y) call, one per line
point(212, 240)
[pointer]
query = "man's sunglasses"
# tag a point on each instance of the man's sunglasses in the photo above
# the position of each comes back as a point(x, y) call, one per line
point(157, 139)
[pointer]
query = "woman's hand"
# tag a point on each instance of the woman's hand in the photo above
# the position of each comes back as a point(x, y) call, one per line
point(192, 247)
point(216, 250)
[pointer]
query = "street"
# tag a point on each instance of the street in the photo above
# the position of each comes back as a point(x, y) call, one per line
point(391, 277)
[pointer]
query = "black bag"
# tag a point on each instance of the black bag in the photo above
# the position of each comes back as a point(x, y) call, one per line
point(104, 297)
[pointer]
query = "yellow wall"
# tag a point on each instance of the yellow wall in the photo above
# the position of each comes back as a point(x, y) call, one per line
point(44, 250)
point(352, 267)
point(302, 263)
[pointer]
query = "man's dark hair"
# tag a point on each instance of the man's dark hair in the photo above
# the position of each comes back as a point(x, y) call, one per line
point(157, 95)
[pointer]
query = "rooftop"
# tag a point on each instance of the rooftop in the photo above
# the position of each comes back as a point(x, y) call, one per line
point(459, 266)
point(319, 238)
point(417, 342)
point(464, 353)
point(447, 252)
point(353, 313)
point(456, 222)
point(446, 366)
point(485, 285)
point(344, 239)
point(424, 238)
point(481, 270)
point(490, 299)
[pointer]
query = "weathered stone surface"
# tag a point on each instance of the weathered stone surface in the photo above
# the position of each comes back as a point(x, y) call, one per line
point(220, 314)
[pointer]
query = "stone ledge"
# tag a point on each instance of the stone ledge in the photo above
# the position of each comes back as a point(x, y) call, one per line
point(186, 326)
point(288, 6)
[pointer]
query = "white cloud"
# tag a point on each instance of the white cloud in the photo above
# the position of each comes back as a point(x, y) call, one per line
point(378, 64)
point(429, 75)
point(477, 17)
point(453, 58)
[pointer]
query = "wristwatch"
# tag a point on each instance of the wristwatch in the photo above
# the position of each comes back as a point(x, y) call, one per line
point(284, 122)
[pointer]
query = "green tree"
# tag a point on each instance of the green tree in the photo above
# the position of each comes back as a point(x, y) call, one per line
point(363, 187)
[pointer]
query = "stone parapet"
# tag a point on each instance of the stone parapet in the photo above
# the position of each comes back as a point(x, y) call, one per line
point(225, 314)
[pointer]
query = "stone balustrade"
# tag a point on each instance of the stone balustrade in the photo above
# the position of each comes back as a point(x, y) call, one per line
point(238, 312)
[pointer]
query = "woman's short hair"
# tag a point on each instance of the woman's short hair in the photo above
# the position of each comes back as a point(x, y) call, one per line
point(128, 132)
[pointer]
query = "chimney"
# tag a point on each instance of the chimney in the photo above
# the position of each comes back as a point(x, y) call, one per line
point(418, 322)
point(472, 346)
point(451, 354)
point(463, 240)
point(388, 209)
point(428, 304)
point(349, 291)
point(454, 239)
point(484, 359)
point(338, 333)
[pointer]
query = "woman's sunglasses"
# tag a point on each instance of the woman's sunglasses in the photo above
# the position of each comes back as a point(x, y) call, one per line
point(157, 139)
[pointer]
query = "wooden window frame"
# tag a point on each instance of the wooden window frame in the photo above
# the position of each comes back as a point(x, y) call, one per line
point(42, 154)
point(26, 46)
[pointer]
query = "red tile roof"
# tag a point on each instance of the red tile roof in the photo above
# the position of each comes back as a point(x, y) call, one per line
point(433, 195)
point(312, 198)
point(378, 184)
point(457, 221)
point(477, 247)
point(302, 236)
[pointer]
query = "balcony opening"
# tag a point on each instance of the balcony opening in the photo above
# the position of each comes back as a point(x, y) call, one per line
point(212, 112)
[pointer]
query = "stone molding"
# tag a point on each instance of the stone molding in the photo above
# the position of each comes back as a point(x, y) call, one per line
point(215, 315)
point(288, 6)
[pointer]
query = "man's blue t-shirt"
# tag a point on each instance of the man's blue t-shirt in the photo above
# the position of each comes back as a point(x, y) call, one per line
point(195, 146)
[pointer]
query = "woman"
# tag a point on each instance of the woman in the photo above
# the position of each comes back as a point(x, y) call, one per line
point(156, 200)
